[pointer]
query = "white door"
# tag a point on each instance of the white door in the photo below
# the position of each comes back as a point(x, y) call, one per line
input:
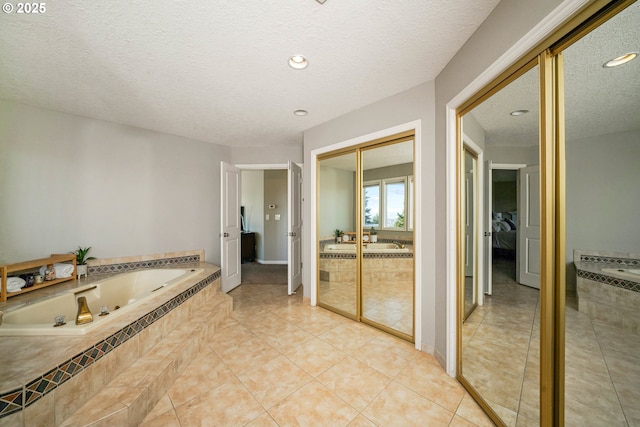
point(488, 229)
point(529, 228)
point(294, 240)
point(469, 220)
point(230, 226)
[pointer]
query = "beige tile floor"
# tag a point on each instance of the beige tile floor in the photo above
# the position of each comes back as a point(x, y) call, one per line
point(602, 363)
point(389, 303)
point(280, 362)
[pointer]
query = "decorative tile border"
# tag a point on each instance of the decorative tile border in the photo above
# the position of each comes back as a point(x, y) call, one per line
point(608, 280)
point(349, 255)
point(597, 259)
point(401, 241)
point(367, 255)
point(137, 265)
point(20, 398)
point(380, 240)
point(371, 255)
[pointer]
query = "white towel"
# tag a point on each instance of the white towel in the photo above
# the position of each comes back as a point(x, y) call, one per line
point(14, 284)
point(62, 270)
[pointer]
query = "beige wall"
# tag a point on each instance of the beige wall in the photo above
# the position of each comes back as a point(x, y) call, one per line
point(267, 155)
point(336, 191)
point(275, 231)
point(67, 180)
point(472, 129)
point(252, 198)
point(512, 155)
point(603, 175)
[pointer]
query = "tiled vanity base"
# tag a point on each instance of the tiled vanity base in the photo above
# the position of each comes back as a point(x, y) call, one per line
point(605, 297)
point(122, 384)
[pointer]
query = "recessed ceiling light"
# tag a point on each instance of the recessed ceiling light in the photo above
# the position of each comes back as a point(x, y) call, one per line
point(298, 62)
point(301, 112)
point(519, 112)
point(620, 60)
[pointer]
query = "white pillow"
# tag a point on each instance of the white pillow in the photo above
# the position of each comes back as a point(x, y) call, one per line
point(499, 225)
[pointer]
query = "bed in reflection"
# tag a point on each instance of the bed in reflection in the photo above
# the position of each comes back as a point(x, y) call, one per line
point(504, 233)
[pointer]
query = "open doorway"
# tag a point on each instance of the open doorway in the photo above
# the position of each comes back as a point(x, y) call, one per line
point(504, 221)
point(501, 195)
point(264, 214)
point(268, 210)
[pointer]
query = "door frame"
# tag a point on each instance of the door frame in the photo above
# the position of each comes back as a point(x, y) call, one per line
point(416, 127)
point(273, 166)
point(480, 222)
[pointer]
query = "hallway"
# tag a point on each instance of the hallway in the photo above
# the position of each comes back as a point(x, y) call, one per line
point(262, 369)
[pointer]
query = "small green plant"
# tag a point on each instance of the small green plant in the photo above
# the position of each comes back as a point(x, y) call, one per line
point(373, 231)
point(337, 232)
point(81, 255)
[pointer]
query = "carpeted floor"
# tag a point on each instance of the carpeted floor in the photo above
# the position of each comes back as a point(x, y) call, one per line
point(264, 274)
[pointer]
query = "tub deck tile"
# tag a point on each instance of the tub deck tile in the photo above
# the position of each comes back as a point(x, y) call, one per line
point(30, 391)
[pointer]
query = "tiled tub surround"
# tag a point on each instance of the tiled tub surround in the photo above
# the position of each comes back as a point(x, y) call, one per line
point(604, 294)
point(388, 279)
point(46, 379)
point(379, 266)
point(122, 264)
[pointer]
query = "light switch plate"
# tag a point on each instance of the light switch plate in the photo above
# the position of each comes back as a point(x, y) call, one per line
point(266, 217)
point(277, 217)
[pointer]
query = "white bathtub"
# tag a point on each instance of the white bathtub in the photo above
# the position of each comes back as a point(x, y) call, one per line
point(370, 247)
point(124, 291)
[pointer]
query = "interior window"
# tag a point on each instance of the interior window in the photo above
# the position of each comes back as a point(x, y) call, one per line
point(394, 203)
point(371, 210)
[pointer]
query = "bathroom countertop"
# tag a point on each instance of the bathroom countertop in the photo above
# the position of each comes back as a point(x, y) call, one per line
point(24, 358)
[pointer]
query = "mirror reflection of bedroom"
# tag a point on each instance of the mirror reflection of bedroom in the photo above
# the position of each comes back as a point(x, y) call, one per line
point(504, 220)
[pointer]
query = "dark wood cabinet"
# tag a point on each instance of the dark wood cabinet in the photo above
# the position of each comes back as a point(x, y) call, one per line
point(248, 247)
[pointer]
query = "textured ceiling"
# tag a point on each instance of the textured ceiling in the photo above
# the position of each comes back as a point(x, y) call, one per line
point(379, 157)
point(598, 101)
point(217, 70)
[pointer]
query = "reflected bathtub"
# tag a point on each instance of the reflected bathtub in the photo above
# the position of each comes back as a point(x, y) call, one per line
point(625, 273)
point(118, 294)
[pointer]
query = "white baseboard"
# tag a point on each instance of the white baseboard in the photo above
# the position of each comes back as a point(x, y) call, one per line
point(262, 261)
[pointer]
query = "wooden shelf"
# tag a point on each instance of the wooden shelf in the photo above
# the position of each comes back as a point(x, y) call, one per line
point(30, 265)
point(352, 236)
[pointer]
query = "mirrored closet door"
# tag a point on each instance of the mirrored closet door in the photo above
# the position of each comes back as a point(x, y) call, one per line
point(499, 341)
point(337, 266)
point(365, 228)
point(557, 342)
point(388, 264)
